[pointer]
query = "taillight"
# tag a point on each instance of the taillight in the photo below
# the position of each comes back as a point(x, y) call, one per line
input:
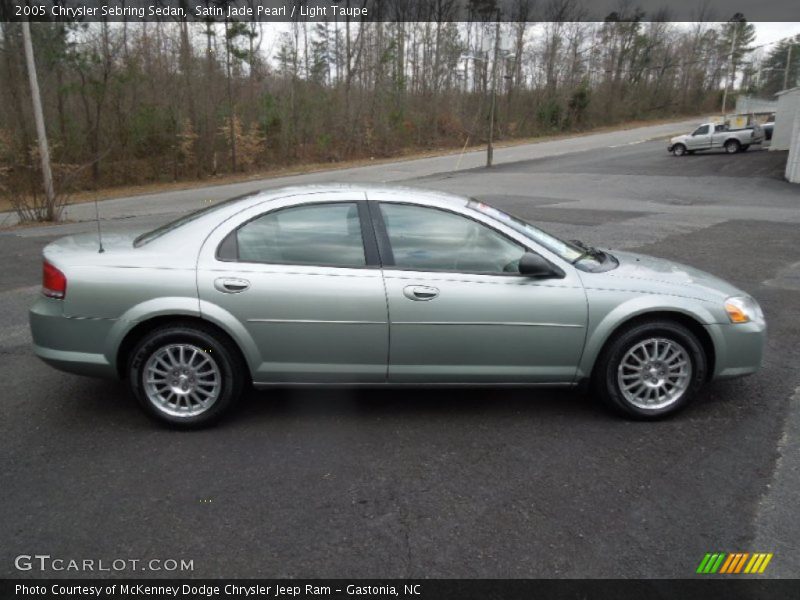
point(54, 283)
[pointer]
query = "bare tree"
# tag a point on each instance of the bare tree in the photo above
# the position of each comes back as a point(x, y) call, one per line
point(41, 133)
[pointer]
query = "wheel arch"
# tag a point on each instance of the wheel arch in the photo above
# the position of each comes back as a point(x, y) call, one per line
point(691, 322)
point(142, 328)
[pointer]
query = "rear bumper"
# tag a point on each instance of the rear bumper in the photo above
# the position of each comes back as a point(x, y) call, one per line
point(78, 363)
point(74, 345)
point(739, 348)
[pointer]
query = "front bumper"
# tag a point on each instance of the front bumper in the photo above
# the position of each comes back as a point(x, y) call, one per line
point(74, 345)
point(739, 348)
point(670, 147)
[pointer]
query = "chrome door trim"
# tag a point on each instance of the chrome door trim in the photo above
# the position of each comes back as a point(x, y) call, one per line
point(507, 323)
point(411, 384)
point(316, 321)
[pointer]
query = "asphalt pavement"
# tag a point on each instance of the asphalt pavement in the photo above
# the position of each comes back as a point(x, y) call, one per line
point(445, 482)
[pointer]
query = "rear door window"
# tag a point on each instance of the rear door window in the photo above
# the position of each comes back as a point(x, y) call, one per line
point(317, 234)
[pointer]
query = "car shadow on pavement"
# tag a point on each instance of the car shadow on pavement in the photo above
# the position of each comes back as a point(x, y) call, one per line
point(110, 402)
point(413, 403)
point(99, 402)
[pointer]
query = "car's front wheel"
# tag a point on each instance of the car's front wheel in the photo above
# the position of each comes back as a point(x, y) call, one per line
point(679, 150)
point(651, 370)
point(185, 375)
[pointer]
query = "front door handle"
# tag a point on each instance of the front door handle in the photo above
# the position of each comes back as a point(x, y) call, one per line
point(231, 286)
point(420, 292)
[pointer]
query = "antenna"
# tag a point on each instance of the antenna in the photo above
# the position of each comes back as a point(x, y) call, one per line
point(99, 232)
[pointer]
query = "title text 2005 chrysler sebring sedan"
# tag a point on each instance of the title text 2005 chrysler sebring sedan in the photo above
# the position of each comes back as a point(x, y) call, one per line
point(370, 285)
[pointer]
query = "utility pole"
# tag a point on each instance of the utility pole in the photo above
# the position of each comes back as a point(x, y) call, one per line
point(788, 64)
point(41, 133)
point(730, 68)
point(490, 147)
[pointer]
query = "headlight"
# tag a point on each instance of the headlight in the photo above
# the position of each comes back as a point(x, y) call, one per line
point(743, 309)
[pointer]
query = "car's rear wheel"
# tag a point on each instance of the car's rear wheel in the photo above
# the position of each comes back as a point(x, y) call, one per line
point(185, 375)
point(651, 370)
point(732, 146)
point(679, 150)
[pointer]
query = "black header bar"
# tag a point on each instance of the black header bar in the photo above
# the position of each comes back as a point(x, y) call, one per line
point(711, 588)
point(397, 10)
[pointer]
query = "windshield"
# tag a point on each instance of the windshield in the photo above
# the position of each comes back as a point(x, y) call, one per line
point(566, 250)
point(180, 221)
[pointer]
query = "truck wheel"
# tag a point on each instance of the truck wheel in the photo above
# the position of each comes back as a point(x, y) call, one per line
point(679, 150)
point(732, 146)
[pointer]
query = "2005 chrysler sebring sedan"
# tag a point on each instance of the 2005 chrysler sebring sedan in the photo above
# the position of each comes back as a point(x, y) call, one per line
point(372, 285)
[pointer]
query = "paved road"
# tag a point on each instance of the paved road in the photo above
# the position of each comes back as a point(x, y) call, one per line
point(179, 201)
point(452, 483)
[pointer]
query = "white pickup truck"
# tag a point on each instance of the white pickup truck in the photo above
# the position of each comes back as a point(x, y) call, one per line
point(716, 136)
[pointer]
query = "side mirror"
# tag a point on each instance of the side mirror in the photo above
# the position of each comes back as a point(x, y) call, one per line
point(533, 265)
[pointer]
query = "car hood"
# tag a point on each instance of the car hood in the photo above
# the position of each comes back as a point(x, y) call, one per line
point(678, 138)
point(638, 272)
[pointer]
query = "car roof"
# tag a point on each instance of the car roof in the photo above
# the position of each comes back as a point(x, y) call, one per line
point(218, 212)
point(372, 190)
point(357, 188)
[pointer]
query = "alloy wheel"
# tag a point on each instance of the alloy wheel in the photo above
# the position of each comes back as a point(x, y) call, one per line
point(654, 373)
point(182, 380)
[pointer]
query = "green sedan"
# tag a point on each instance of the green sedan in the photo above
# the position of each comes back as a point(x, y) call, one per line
point(369, 285)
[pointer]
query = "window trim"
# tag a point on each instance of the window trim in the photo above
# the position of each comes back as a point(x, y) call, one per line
point(387, 254)
point(368, 241)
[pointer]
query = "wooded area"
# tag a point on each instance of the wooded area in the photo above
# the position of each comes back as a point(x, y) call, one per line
point(136, 103)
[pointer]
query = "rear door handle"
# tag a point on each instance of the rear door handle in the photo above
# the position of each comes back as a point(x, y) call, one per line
point(420, 292)
point(231, 286)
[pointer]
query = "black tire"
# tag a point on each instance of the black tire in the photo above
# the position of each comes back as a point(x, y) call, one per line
point(605, 381)
point(678, 150)
point(221, 352)
point(732, 146)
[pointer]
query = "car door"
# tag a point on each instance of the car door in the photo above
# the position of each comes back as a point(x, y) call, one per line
point(459, 310)
point(700, 139)
point(301, 282)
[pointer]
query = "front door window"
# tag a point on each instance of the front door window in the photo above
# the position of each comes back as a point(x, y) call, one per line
point(429, 239)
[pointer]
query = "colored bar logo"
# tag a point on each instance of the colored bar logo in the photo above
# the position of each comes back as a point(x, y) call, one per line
point(734, 563)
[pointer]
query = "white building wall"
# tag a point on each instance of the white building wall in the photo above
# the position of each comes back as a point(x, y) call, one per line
point(793, 162)
point(788, 106)
point(750, 104)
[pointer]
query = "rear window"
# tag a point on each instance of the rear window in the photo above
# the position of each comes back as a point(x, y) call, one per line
point(149, 236)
